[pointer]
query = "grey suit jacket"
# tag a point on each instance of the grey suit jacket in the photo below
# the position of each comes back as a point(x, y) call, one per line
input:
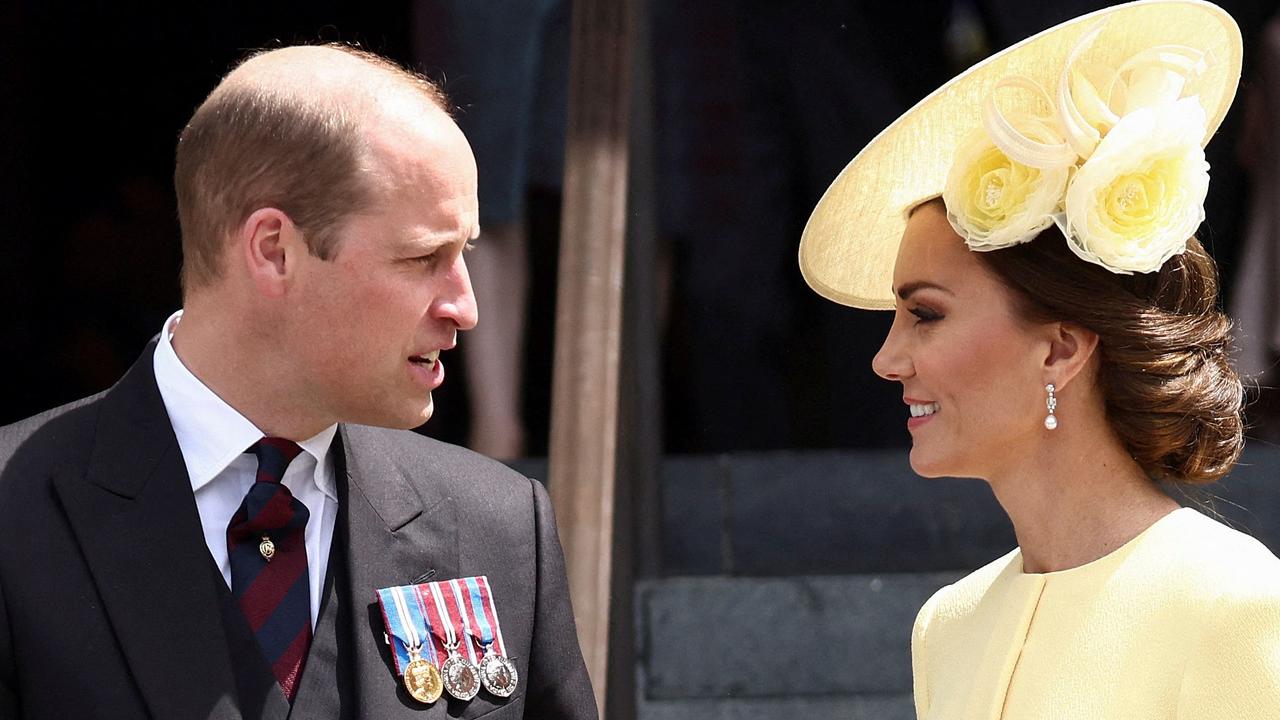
point(109, 601)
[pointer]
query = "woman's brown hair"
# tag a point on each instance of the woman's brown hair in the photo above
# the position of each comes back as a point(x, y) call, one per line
point(1171, 393)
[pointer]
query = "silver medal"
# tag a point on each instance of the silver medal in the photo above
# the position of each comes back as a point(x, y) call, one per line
point(498, 674)
point(461, 677)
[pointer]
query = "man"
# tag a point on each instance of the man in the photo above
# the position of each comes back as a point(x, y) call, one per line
point(325, 199)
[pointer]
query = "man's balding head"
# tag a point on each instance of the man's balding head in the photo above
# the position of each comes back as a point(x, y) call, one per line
point(288, 129)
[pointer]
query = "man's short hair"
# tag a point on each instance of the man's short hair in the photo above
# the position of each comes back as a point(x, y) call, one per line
point(249, 146)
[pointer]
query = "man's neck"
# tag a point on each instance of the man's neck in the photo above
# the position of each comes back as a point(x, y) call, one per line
point(244, 372)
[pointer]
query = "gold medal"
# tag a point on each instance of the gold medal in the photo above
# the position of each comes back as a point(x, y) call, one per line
point(267, 548)
point(422, 680)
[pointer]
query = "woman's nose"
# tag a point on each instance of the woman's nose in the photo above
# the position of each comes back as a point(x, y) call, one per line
point(892, 362)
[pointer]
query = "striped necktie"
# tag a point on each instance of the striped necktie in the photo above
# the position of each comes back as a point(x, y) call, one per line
point(268, 554)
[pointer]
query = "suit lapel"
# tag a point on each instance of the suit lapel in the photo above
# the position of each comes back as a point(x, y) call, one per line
point(394, 537)
point(136, 520)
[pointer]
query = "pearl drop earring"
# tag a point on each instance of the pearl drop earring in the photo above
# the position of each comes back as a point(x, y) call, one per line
point(1051, 421)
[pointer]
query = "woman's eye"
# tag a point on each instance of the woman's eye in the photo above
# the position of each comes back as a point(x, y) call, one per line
point(925, 315)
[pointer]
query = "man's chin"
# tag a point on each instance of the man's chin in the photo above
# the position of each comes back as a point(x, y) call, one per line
point(408, 416)
point(422, 418)
point(422, 415)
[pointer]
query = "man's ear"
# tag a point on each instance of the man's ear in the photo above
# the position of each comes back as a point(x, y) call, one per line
point(1071, 347)
point(270, 245)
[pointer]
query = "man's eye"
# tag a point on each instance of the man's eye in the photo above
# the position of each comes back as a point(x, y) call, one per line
point(427, 260)
point(925, 315)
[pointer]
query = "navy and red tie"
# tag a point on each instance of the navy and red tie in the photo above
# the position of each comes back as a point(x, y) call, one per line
point(268, 553)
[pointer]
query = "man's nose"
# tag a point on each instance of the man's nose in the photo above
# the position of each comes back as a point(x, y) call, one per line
point(458, 303)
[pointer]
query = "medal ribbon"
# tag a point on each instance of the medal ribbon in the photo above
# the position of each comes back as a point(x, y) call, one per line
point(403, 617)
point(484, 612)
point(445, 630)
point(455, 593)
point(408, 611)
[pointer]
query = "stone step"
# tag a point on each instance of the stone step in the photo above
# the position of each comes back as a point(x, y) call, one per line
point(798, 576)
point(791, 513)
point(898, 707)
point(841, 512)
point(748, 647)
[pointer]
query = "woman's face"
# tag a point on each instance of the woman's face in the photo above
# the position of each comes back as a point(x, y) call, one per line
point(972, 371)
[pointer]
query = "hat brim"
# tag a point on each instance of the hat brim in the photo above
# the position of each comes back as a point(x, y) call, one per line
point(850, 244)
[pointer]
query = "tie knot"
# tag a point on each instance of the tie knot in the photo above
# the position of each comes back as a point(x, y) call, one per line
point(274, 455)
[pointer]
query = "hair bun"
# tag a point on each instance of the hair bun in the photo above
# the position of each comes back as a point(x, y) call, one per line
point(1166, 376)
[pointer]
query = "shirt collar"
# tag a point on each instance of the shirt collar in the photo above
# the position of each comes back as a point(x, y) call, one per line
point(318, 446)
point(211, 434)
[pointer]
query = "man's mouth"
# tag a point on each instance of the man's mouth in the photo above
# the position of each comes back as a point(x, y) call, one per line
point(428, 359)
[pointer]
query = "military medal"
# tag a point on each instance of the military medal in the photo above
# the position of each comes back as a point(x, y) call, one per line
point(446, 638)
point(498, 674)
point(460, 675)
point(266, 548)
point(421, 678)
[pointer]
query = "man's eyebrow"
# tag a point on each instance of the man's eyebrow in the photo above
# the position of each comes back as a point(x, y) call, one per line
point(429, 243)
point(911, 288)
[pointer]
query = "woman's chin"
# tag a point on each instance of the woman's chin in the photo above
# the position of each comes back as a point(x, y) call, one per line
point(926, 465)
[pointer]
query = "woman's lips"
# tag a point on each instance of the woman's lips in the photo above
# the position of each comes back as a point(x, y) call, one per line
point(921, 411)
point(915, 422)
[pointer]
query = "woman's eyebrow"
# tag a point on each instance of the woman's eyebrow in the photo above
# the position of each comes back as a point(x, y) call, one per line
point(910, 288)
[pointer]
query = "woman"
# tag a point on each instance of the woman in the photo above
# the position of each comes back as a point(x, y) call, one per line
point(1056, 333)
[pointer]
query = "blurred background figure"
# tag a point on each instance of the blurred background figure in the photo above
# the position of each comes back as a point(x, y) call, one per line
point(772, 102)
point(505, 66)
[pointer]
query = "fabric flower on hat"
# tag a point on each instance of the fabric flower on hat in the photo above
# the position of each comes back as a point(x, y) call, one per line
point(1138, 198)
point(1117, 162)
point(994, 201)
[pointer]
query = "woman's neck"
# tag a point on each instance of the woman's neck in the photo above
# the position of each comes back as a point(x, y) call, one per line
point(1076, 498)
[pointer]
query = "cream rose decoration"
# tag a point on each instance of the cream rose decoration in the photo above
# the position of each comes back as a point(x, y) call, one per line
point(1117, 163)
point(1138, 198)
point(993, 201)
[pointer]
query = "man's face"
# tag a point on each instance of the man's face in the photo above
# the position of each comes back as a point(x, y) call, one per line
point(368, 324)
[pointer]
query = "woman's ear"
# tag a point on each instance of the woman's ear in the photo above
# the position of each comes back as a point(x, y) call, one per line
point(1071, 347)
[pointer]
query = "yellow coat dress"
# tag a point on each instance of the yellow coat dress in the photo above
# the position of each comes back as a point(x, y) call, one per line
point(1181, 622)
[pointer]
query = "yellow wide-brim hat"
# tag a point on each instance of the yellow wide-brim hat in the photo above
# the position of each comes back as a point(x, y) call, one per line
point(850, 243)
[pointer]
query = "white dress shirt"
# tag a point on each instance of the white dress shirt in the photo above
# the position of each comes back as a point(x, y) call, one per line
point(215, 439)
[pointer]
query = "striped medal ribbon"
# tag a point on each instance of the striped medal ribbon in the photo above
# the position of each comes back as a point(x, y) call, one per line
point(459, 673)
point(403, 614)
point(497, 673)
